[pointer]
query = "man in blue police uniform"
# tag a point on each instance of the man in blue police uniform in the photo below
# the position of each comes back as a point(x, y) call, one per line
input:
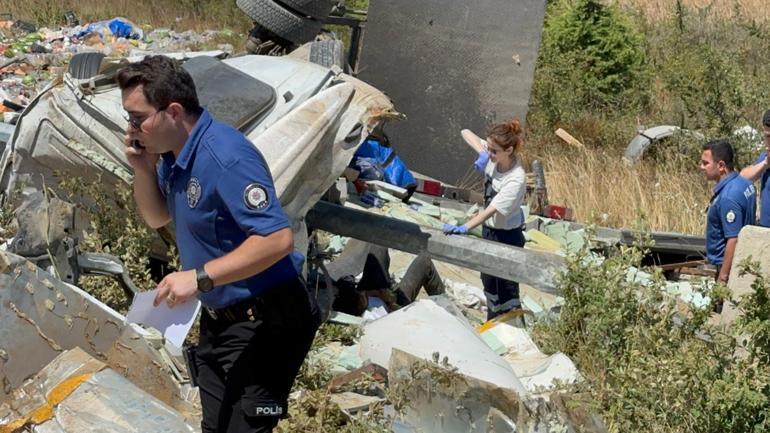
point(235, 244)
point(732, 206)
point(758, 169)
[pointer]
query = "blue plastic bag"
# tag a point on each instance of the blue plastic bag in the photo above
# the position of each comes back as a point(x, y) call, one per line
point(375, 161)
point(118, 27)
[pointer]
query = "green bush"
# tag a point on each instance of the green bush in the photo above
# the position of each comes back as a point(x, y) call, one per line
point(591, 58)
point(711, 72)
point(652, 364)
point(115, 228)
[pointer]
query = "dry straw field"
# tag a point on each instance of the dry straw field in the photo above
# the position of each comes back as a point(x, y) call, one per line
point(662, 9)
point(607, 192)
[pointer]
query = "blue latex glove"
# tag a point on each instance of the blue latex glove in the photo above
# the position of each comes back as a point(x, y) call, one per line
point(452, 229)
point(481, 162)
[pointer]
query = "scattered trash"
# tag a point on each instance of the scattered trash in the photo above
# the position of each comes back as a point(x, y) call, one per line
point(32, 57)
point(371, 199)
point(114, 28)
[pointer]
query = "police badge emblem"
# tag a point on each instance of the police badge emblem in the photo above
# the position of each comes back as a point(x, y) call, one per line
point(255, 196)
point(193, 192)
point(730, 217)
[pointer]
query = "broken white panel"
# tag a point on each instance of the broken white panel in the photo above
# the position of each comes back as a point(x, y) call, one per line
point(461, 404)
point(424, 328)
point(90, 398)
point(351, 402)
point(537, 371)
point(337, 358)
point(109, 402)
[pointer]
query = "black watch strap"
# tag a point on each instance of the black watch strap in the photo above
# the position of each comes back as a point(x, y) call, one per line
point(205, 284)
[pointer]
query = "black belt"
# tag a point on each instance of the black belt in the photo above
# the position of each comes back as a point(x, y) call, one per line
point(249, 309)
point(252, 309)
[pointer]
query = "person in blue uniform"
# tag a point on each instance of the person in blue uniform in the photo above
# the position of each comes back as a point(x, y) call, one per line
point(505, 183)
point(758, 170)
point(732, 206)
point(235, 244)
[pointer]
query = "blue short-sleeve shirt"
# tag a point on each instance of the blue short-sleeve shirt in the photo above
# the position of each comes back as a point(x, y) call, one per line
point(764, 194)
point(732, 207)
point(219, 191)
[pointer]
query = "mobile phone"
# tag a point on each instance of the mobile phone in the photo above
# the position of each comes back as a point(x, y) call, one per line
point(136, 145)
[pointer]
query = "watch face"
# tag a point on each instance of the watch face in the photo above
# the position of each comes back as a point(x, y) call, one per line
point(205, 284)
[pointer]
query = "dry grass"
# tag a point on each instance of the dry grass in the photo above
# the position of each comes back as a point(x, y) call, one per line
point(758, 10)
point(175, 14)
point(602, 189)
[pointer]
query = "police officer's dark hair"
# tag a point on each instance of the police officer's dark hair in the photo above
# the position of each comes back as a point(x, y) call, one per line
point(766, 119)
point(721, 150)
point(164, 81)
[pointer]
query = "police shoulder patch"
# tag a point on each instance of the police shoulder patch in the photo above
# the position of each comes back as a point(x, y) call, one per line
point(255, 196)
point(730, 217)
point(193, 192)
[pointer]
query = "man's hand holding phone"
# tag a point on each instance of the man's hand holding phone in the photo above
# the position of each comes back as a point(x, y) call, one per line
point(138, 156)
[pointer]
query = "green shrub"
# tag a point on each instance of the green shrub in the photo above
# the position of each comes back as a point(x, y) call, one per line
point(115, 228)
point(591, 58)
point(652, 364)
point(711, 73)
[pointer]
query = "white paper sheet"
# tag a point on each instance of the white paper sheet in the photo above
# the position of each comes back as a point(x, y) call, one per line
point(173, 323)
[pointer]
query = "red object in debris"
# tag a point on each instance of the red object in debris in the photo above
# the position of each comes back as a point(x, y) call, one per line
point(360, 185)
point(558, 212)
point(430, 187)
point(374, 371)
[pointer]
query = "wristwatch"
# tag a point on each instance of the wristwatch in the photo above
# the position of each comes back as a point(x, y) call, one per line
point(205, 284)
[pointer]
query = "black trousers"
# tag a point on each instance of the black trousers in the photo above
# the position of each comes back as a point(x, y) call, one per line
point(246, 369)
point(502, 295)
point(421, 273)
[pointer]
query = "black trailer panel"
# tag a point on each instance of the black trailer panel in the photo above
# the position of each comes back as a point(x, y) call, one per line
point(448, 65)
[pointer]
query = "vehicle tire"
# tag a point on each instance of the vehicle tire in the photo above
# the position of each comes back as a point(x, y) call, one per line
point(85, 65)
point(327, 53)
point(281, 21)
point(318, 9)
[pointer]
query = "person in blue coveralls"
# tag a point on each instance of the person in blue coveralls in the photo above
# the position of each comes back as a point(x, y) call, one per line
point(732, 206)
point(758, 170)
point(505, 183)
point(235, 244)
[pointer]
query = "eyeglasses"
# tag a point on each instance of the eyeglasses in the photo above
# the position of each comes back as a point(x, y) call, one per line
point(136, 123)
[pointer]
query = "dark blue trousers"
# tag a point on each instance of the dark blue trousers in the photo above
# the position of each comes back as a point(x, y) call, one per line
point(502, 295)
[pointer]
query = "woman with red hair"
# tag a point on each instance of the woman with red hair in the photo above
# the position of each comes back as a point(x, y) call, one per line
point(505, 183)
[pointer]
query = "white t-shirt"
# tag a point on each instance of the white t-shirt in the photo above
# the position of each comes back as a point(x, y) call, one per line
point(510, 187)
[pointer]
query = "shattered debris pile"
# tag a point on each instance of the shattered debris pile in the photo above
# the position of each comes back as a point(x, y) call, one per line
point(71, 346)
point(31, 57)
point(424, 368)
